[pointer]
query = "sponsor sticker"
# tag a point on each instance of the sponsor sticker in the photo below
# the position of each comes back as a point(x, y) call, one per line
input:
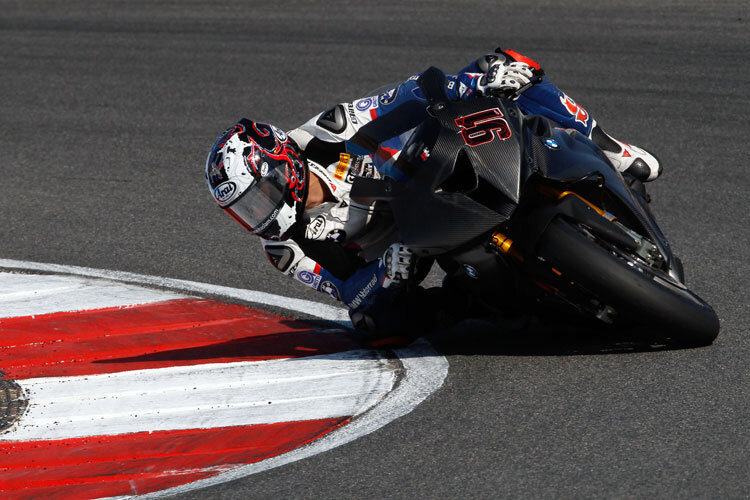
point(224, 191)
point(551, 143)
point(580, 114)
point(336, 235)
point(310, 279)
point(315, 228)
point(330, 289)
point(470, 271)
point(366, 103)
point(363, 293)
point(388, 96)
point(352, 114)
point(268, 222)
point(342, 167)
point(358, 168)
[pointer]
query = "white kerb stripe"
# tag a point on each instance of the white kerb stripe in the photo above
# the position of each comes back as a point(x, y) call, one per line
point(316, 309)
point(32, 294)
point(424, 369)
point(203, 396)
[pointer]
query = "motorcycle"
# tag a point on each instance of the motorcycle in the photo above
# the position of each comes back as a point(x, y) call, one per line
point(528, 216)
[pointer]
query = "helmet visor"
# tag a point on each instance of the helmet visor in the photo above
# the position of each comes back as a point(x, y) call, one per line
point(259, 205)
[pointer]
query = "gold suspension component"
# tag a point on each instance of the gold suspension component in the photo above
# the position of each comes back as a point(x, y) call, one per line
point(598, 210)
point(555, 193)
point(501, 243)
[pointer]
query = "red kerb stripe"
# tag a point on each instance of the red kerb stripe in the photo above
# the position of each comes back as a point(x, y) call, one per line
point(139, 463)
point(171, 333)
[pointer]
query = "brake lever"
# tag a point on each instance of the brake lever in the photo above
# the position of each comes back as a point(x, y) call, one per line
point(513, 95)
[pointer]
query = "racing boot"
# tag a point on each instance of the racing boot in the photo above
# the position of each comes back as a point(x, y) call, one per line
point(626, 158)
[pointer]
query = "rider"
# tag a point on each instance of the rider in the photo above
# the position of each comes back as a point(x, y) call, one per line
point(292, 189)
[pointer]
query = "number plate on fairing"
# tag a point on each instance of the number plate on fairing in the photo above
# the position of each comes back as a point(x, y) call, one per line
point(489, 132)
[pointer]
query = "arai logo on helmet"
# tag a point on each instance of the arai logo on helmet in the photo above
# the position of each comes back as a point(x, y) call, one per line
point(224, 191)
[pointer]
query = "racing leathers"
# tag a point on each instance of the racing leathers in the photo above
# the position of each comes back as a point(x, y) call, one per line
point(339, 247)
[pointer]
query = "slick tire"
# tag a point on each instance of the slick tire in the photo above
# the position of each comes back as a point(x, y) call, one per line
point(631, 288)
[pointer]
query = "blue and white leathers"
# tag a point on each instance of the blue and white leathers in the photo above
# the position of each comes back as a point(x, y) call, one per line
point(365, 138)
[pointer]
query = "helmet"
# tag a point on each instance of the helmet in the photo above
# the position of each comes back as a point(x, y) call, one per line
point(259, 176)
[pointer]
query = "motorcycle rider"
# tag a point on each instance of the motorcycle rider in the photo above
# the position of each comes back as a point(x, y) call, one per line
point(292, 189)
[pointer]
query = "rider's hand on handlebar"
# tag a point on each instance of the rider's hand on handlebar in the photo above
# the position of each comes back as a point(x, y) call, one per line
point(397, 261)
point(511, 79)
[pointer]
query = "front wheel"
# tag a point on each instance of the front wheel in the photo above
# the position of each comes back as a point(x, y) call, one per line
point(622, 281)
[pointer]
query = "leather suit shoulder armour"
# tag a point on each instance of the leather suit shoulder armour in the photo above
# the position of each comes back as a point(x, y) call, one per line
point(333, 120)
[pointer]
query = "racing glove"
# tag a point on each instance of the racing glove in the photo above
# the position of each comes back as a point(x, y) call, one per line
point(397, 265)
point(511, 79)
point(367, 316)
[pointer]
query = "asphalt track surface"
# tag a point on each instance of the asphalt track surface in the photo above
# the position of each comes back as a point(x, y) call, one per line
point(109, 108)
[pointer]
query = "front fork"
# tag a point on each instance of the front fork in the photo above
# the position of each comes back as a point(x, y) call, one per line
point(600, 224)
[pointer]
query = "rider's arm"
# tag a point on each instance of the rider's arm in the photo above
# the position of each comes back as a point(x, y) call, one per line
point(403, 104)
point(349, 122)
point(359, 290)
point(375, 126)
point(542, 98)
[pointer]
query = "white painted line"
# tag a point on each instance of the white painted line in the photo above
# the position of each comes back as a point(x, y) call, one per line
point(425, 369)
point(203, 396)
point(304, 306)
point(32, 294)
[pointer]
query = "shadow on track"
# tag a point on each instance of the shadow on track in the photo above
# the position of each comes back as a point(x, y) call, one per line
point(469, 337)
point(297, 339)
point(557, 337)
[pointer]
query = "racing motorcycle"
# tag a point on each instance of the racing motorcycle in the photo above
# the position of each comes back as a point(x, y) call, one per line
point(526, 215)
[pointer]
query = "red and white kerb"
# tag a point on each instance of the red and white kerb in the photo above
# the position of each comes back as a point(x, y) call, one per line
point(130, 390)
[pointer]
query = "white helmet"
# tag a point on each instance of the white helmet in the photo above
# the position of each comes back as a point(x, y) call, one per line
point(258, 175)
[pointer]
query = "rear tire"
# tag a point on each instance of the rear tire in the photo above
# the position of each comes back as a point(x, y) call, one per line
point(647, 296)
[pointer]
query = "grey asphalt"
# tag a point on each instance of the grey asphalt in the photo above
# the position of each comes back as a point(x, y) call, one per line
point(108, 110)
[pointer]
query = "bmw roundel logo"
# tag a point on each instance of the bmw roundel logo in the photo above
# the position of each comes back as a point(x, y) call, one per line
point(551, 143)
point(470, 271)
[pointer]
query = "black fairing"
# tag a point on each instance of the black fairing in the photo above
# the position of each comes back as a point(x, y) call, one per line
point(577, 161)
point(474, 177)
point(466, 190)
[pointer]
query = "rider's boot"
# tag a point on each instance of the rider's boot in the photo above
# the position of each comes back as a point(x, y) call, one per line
point(627, 158)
